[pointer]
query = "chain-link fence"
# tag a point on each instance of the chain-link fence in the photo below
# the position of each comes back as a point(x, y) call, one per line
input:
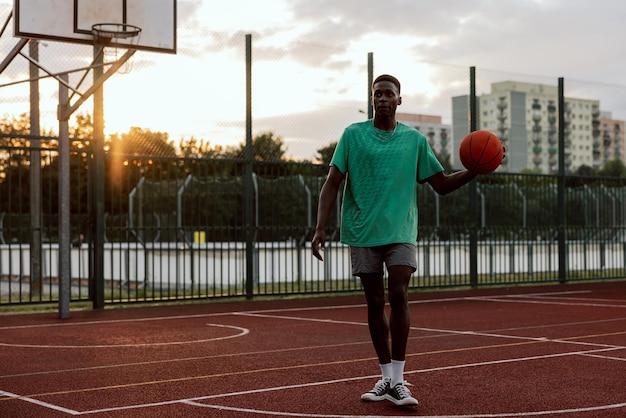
point(175, 223)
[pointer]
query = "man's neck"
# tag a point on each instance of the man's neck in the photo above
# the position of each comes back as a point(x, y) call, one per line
point(385, 123)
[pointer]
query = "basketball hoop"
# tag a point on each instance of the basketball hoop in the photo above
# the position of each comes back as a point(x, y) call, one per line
point(114, 36)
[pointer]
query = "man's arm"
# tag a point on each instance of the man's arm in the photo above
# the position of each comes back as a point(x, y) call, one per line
point(328, 195)
point(444, 183)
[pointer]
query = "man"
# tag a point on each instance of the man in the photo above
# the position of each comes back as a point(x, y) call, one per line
point(381, 160)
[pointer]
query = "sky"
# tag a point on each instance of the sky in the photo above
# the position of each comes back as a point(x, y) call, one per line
point(310, 61)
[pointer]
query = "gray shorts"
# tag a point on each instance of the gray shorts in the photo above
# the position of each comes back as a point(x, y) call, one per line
point(371, 259)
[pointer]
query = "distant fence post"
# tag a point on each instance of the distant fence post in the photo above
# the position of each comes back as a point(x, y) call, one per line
point(35, 174)
point(248, 186)
point(96, 279)
point(473, 189)
point(562, 239)
point(370, 80)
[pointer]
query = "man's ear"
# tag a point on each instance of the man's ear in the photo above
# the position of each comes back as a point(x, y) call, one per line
point(399, 100)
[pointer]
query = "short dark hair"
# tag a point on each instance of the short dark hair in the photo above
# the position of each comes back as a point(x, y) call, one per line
point(387, 77)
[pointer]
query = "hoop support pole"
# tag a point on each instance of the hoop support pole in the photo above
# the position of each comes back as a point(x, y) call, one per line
point(97, 83)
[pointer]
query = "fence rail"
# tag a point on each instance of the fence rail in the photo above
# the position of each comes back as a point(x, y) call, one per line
point(181, 270)
point(176, 228)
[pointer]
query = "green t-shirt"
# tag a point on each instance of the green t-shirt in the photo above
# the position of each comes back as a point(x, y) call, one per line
point(380, 196)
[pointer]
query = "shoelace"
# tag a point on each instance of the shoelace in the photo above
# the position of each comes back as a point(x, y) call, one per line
point(380, 386)
point(403, 391)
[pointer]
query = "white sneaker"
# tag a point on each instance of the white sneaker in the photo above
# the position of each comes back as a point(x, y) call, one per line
point(378, 392)
point(400, 395)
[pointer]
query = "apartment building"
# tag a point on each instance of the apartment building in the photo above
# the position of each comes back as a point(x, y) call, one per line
point(525, 117)
point(439, 134)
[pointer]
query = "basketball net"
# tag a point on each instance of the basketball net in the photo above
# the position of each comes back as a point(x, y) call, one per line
point(108, 37)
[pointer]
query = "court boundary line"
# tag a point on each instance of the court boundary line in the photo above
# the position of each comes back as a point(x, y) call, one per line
point(48, 405)
point(494, 415)
point(352, 379)
point(192, 401)
point(242, 331)
point(214, 314)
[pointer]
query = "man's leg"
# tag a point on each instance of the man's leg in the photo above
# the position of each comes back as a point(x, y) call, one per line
point(399, 325)
point(400, 319)
point(374, 288)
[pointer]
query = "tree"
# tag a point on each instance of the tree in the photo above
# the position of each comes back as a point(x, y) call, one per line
point(585, 171)
point(198, 148)
point(614, 168)
point(81, 133)
point(14, 134)
point(325, 154)
point(143, 142)
point(265, 147)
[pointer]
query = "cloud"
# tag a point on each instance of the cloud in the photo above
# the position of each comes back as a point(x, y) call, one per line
point(550, 37)
point(309, 62)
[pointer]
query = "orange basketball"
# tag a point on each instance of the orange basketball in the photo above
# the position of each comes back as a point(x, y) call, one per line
point(481, 152)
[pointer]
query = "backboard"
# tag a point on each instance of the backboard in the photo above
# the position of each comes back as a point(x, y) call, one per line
point(72, 21)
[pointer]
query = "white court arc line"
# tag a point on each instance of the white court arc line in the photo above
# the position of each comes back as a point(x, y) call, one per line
point(358, 378)
point(498, 415)
point(242, 332)
point(192, 401)
point(167, 318)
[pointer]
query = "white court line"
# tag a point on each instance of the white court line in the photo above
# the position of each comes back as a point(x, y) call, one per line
point(442, 331)
point(545, 302)
point(605, 357)
point(175, 317)
point(38, 402)
point(500, 415)
point(352, 379)
point(113, 321)
point(191, 400)
point(577, 299)
point(242, 332)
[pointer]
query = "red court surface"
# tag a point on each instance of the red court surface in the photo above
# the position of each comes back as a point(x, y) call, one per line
point(547, 351)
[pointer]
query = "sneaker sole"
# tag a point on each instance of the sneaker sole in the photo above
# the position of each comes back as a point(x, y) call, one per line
point(373, 398)
point(402, 404)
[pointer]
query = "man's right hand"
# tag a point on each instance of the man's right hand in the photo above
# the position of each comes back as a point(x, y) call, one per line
point(318, 244)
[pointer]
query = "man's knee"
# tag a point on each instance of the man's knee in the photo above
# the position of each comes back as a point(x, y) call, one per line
point(398, 297)
point(374, 291)
point(399, 277)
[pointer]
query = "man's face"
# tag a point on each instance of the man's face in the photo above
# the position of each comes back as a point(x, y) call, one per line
point(386, 98)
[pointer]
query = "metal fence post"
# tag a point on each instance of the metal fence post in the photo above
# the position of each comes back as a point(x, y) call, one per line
point(370, 80)
point(473, 189)
point(248, 186)
point(64, 204)
point(97, 224)
point(35, 175)
point(561, 186)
